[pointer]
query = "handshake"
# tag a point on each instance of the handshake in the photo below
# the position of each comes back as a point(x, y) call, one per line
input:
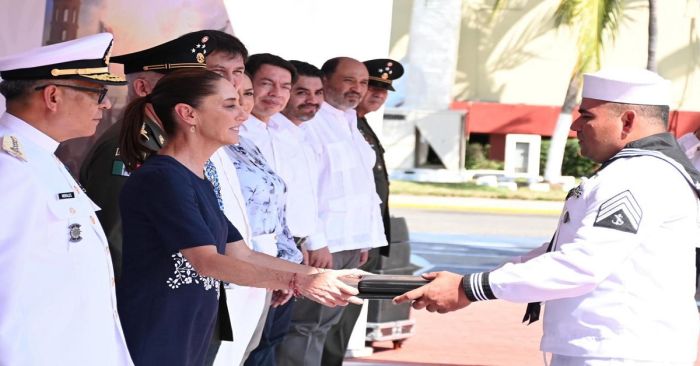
point(435, 291)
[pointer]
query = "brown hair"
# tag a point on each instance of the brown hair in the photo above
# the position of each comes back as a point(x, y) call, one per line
point(188, 86)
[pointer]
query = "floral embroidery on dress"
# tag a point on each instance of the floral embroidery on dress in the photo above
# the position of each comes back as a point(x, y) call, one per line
point(185, 274)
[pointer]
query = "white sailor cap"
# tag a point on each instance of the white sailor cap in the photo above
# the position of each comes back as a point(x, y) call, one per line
point(85, 58)
point(629, 86)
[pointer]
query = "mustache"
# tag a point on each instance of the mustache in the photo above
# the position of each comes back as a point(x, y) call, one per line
point(310, 105)
point(348, 94)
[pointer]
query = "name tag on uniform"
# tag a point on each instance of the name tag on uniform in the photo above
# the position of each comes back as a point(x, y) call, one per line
point(66, 195)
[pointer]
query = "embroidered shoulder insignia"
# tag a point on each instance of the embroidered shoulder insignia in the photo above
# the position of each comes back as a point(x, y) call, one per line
point(12, 146)
point(621, 212)
point(575, 192)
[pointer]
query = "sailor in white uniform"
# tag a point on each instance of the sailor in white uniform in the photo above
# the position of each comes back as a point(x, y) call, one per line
point(617, 277)
point(57, 302)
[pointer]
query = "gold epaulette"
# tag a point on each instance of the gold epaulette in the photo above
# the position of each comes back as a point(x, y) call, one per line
point(12, 146)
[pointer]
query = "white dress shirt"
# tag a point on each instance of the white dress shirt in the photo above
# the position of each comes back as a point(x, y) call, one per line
point(57, 300)
point(259, 133)
point(348, 201)
point(298, 166)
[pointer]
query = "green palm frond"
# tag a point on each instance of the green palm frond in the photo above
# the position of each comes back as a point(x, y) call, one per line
point(567, 12)
point(593, 20)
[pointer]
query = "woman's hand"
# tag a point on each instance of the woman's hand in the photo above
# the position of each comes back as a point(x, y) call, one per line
point(328, 288)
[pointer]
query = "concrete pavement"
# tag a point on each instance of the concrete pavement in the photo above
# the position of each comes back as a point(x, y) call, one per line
point(483, 334)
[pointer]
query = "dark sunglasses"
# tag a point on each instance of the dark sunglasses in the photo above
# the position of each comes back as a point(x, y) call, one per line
point(101, 92)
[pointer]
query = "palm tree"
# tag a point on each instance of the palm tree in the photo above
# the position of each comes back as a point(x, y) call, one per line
point(593, 21)
point(653, 35)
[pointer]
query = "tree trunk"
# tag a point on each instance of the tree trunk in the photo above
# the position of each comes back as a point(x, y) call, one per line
point(555, 155)
point(653, 35)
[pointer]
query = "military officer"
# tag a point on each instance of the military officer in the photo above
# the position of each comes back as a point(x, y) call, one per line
point(617, 276)
point(57, 302)
point(103, 172)
point(382, 72)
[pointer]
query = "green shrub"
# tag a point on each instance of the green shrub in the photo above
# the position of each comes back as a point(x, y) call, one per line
point(573, 164)
point(477, 158)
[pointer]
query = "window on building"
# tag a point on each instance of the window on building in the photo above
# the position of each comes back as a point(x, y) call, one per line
point(63, 35)
point(75, 16)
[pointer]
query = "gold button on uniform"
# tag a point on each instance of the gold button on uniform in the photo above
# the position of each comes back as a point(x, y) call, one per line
point(71, 210)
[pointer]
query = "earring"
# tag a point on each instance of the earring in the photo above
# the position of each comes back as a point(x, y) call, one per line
point(192, 129)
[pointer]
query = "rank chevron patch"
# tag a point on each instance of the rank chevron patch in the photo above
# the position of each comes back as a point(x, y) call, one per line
point(621, 212)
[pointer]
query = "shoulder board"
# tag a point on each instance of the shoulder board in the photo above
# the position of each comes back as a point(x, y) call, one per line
point(12, 146)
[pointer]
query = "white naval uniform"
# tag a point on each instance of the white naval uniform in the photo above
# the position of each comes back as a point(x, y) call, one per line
point(625, 295)
point(57, 300)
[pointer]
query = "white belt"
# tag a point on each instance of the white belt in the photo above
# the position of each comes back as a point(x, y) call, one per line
point(266, 243)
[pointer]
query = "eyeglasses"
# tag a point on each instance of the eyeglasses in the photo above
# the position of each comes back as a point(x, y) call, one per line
point(101, 92)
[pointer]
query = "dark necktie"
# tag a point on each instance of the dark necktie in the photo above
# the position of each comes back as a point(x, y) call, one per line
point(532, 312)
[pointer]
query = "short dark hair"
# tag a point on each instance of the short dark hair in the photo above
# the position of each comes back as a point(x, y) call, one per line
point(15, 89)
point(660, 112)
point(654, 113)
point(229, 44)
point(306, 69)
point(188, 86)
point(329, 67)
point(256, 61)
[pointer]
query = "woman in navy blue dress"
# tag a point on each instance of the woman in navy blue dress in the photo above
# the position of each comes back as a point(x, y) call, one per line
point(177, 242)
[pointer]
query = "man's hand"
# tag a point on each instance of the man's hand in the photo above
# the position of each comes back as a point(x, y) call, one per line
point(321, 258)
point(364, 256)
point(280, 297)
point(443, 294)
point(304, 255)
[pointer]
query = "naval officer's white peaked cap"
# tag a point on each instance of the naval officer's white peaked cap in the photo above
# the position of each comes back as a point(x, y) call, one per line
point(629, 86)
point(85, 58)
